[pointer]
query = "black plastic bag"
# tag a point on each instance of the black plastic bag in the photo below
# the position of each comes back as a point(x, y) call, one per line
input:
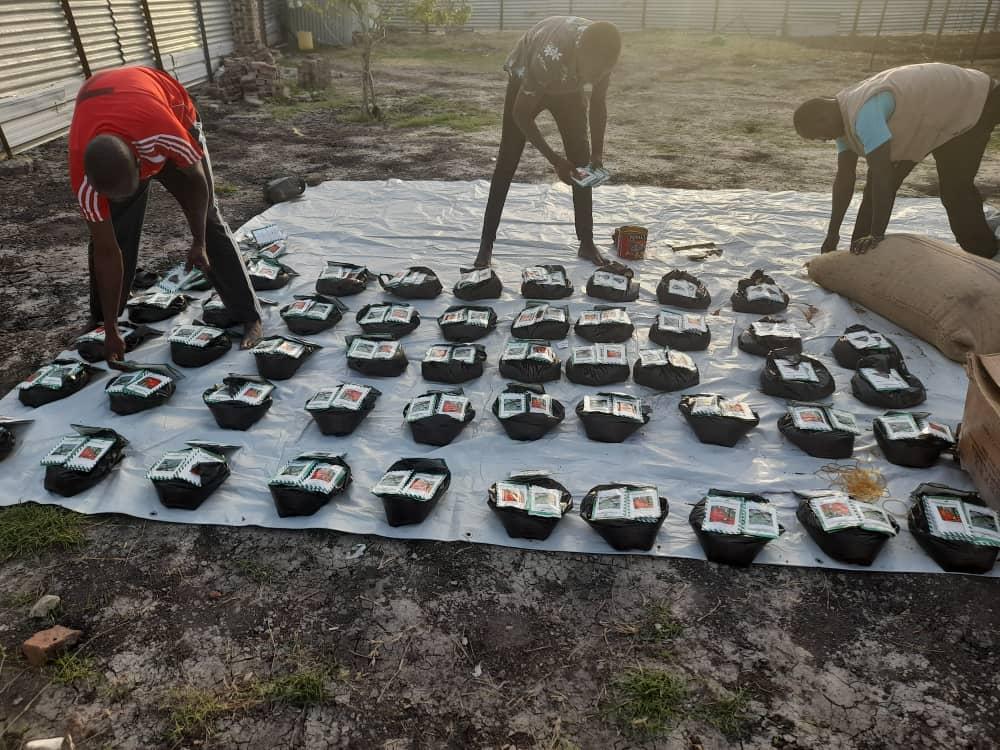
point(614, 282)
point(185, 479)
point(686, 332)
point(239, 401)
point(478, 283)
point(308, 482)
point(625, 533)
point(529, 505)
point(453, 363)
point(156, 306)
point(684, 290)
point(912, 440)
point(603, 364)
point(954, 556)
point(8, 437)
point(376, 356)
point(759, 294)
point(853, 545)
point(530, 362)
point(196, 345)
point(411, 489)
point(546, 282)
point(416, 282)
point(54, 381)
point(182, 279)
point(339, 410)
point(717, 420)
point(343, 279)
point(665, 371)
point(388, 320)
point(612, 417)
point(861, 341)
point(90, 346)
point(881, 381)
point(81, 461)
point(438, 417)
point(141, 387)
point(541, 322)
point(526, 412)
point(280, 357)
point(605, 325)
point(796, 377)
point(728, 549)
point(819, 431)
point(463, 324)
point(768, 334)
point(266, 274)
point(312, 313)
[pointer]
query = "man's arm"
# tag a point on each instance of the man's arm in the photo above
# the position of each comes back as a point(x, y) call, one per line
point(598, 120)
point(526, 109)
point(108, 273)
point(881, 177)
point(843, 193)
point(189, 186)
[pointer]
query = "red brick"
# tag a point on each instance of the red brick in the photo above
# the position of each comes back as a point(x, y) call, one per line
point(45, 644)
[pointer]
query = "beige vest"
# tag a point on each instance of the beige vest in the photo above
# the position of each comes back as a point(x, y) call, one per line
point(935, 102)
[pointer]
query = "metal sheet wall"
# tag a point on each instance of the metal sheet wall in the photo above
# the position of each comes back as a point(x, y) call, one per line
point(272, 21)
point(218, 29)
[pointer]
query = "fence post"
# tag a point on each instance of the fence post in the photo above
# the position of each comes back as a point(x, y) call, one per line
point(715, 17)
point(927, 16)
point(982, 28)
point(857, 17)
point(152, 33)
point(784, 18)
point(944, 20)
point(6, 146)
point(501, 15)
point(644, 15)
point(878, 33)
point(204, 40)
point(77, 42)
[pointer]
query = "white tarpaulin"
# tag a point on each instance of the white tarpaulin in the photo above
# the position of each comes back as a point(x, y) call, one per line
point(390, 225)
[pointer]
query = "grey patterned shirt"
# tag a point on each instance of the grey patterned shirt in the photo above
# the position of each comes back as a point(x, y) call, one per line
point(545, 58)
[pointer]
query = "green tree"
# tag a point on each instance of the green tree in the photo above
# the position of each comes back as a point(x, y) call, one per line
point(442, 13)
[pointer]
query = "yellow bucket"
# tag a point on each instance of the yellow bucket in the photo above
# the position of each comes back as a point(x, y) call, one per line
point(305, 40)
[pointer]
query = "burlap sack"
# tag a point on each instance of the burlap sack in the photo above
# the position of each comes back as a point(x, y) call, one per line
point(947, 297)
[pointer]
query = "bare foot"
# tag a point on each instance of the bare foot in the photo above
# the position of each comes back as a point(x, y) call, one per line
point(484, 259)
point(589, 251)
point(252, 334)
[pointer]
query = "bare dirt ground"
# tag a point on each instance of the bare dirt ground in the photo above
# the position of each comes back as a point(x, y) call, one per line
point(245, 638)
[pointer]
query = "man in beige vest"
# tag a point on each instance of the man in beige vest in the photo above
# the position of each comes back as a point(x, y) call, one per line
point(895, 119)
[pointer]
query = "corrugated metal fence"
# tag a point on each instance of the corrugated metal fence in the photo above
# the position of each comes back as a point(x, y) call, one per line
point(48, 48)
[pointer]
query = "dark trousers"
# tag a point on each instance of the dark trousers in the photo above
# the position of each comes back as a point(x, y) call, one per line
point(570, 114)
point(957, 163)
point(228, 272)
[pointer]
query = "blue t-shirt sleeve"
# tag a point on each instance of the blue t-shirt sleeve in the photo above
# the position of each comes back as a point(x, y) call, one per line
point(872, 123)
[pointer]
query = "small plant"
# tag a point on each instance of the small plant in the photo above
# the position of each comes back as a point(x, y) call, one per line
point(646, 702)
point(72, 669)
point(302, 689)
point(226, 188)
point(728, 715)
point(661, 625)
point(441, 13)
point(30, 529)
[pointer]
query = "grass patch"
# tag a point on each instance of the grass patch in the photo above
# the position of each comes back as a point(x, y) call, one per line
point(255, 571)
point(432, 111)
point(30, 529)
point(193, 712)
point(72, 669)
point(647, 702)
point(660, 624)
point(728, 715)
point(284, 110)
point(226, 188)
point(301, 689)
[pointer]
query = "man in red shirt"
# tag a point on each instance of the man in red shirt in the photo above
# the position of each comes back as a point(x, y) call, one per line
point(131, 125)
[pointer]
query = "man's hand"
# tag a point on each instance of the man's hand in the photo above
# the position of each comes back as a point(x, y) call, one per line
point(197, 258)
point(114, 344)
point(565, 170)
point(830, 243)
point(862, 245)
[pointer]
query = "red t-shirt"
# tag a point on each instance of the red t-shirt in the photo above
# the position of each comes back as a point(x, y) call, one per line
point(148, 109)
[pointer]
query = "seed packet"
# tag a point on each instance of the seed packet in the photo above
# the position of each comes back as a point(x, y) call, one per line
point(899, 426)
point(843, 420)
point(179, 280)
point(936, 429)
point(542, 352)
point(264, 269)
point(764, 292)
point(322, 400)
point(653, 357)
point(862, 340)
point(161, 300)
point(597, 404)
point(351, 396)
point(760, 520)
point(438, 354)
point(803, 371)
point(253, 394)
point(590, 176)
point(611, 280)
point(946, 517)
point(615, 315)
point(421, 407)
point(456, 316)
point(274, 250)
point(479, 318)
point(392, 482)
point(465, 354)
point(324, 477)
point(397, 278)
point(473, 277)
point(375, 314)
point(590, 318)
point(528, 317)
point(835, 512)
point(291, 349)
point(673, 322)
point(884, 381)
point(984, 524)
point(141, 383)
point(423, 486)
point(736, 409)
point(401, 313)
point(695, 322)
point(267, 235)
point(775, 330)
point(453, 406)
point(511, 495)
point(362, 349)
point(66, 447)
point(812, 418)
point(706, 406)
point(511, 404)
point(626, 408)
point(540, 404)
point(644, 503)
point(681, 360)
point(386, 350)
point(722, 514)
point(85, 457)
point(556, 278)
point(415, 278)
point(516, 350)
point(52, 376)
point(682, 288)
point(293, 473)
point(584, 355)
point(609, 504)
point(544, 501)
point(184, 465)
point(874, 518)
point(535, 273)
point(611, 354)
point(335, 271)
point(557, 314)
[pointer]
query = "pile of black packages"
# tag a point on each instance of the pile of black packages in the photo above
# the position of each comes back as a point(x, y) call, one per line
point(539, 321)
point(343, 279)
point(759, 295)
point(411, 488)
point(847, 530)
point(527, 412)
point(465, 323)
point(90, 346)
point(614, 282)
point(612, 417)
point(155, 306)
point(955, 528)
point(478, 283)
point(280, 357)
point(339, 410)
point(239, 401)
point(416, 282)
point(388, 320)
point(182, 279)
point(61, 378)
point(882, 381)
point(768, 334)
point(215, 313)
point(717, 420)
point(733, 527)
point(821, 431)
point(529, 504)
point(436, 418)
point(310, 314)
point(184, 479)
point(376, 356)
point(913, 440)
point(141, 387)
point(684, 290)
point(196, 345)
point(665, 370)
point(796, 377)
point(686, 332)
point(305, 484)
point(545, 282)
point(530, 362)
point(627, 516)
point(265, 238)
point(266, 274)
point(605, 325)
point(861, 341)
point(453, 363)
point(81, 460)
point(601, 364)
point(8, 438)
